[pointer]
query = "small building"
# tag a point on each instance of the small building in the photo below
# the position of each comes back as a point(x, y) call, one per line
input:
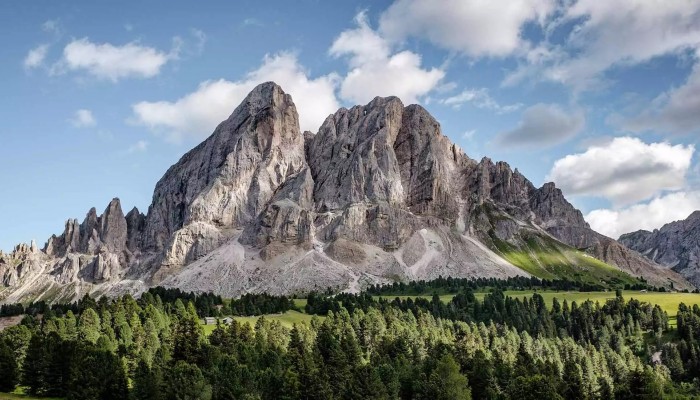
point(212, 320)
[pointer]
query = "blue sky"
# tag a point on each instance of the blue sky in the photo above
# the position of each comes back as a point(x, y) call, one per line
point(100, 98)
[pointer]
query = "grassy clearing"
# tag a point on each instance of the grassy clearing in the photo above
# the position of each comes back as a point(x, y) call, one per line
point(287, 320)
point(19, 394)
point(667, 301)
point(300, 303)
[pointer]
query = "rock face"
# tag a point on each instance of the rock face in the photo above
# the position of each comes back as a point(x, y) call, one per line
point(228, 179)
point(378, 194)
point(676, 245)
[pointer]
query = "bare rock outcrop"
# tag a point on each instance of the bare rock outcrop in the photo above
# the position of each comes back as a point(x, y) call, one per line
point(675, 245)
point(228, 179)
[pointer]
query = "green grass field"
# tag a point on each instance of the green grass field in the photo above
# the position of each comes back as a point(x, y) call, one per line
point(667, 301)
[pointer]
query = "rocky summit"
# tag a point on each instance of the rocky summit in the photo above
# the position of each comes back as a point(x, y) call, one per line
point(676, 245)
point(378, 194)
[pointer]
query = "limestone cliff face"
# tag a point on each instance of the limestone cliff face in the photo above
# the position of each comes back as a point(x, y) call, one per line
point(377, 194)
point(676, 245)
point(226, 181)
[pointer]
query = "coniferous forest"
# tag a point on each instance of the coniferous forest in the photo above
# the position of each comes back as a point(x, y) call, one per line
point(358, 347)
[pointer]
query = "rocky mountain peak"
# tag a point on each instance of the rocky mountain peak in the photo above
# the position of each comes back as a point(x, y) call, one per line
point(694, 216)
point(113, 227)
point(227, 180)
point(675, 245)
point(377, 194)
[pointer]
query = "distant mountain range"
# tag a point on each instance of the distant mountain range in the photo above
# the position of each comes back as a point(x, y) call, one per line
point(676, 246)
point(378, 194)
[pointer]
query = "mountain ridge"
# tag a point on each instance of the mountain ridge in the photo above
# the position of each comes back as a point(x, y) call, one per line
point(675, 245)
point(378, 194)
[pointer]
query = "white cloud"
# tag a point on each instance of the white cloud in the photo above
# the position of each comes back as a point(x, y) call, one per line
point(197, 114)
point(624, 170)
point(648, 216)
point(36, 56)
point(83, 119)
point(52, 26)
point(675, 111)
point(138, 147)
point(608, 34)
point(469, 135)
point(201, 39)
point(107, 61)
point(480, 98)
point(476, 27)
point(543, 125)
point(374, 71)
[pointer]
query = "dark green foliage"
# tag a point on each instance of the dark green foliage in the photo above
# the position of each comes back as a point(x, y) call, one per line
point(95, 374)
point(186, 382)
point(148, 382)
point(445, 382)
point(642, 384)
point(8, 368)
point(535, 387)
point(187, 339)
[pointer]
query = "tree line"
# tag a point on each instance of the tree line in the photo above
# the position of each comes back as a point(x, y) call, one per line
point(356, 347)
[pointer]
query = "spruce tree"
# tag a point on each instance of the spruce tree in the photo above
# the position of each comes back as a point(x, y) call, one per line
point(8, 368)
point(34, 366)
point(186, 382)
point(147, 383)
point(446, 382)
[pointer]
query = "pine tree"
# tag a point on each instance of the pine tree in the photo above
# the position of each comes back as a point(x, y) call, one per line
point(573, 382)
point(446, 382)
point(34, 366)
point(187, 340)
point(148, 382)
point(642, 384)
point(481, 377)
point(8, 368)
point(89, 326)
point(186, 382)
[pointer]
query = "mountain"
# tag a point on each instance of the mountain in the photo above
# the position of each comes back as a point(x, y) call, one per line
point(676, 245)
point(378, 194)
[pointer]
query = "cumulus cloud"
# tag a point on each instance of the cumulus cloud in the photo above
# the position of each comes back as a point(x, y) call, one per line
point(36, 56)
point(609, 34)
point(476, 28)
point(107, 61)
point(83, 119)
point(624, 170)
point(375, 71)
point(675, 111)
point(197, 114)
point(543, 125)
point(649, 216)
point(479, 98)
